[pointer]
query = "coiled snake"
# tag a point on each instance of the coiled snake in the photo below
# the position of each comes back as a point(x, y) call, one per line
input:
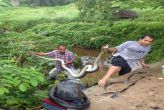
point(87, 68)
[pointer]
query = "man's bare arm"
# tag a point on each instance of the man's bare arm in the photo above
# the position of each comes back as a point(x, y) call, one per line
point(142, 61)
point(39, 53)
point(112, 49)
point(69, 62)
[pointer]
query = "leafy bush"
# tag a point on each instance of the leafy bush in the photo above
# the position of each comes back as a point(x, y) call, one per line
point(3, 3)
point(30, 17)
point(62, 2)
point(22, 86)
point(46, 37)
point(19, 85)
point(93, 10)
point(94, 35)
point(45, 2)
point(63, 20)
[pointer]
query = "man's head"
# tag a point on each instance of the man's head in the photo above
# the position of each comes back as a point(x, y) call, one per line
point(146, 40)
point(62, 48)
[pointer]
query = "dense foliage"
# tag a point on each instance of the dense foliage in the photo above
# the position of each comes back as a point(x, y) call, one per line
point(34, 3)
point(45, 2)
point(92, 10)
point(42, 29)
point(19, 85)
point(90, 35)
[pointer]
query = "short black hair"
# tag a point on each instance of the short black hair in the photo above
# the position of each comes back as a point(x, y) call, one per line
point(143, 36)
point(63, 45)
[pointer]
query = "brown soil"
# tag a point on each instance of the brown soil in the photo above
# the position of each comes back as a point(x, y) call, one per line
point(147, 93)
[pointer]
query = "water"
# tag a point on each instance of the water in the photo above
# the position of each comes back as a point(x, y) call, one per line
point(92, 78)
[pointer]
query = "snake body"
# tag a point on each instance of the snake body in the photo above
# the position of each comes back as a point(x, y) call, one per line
point(75, 74)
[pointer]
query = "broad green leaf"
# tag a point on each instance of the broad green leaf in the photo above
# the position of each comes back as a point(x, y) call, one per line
point(16, 81)
point(40, 78)
point(8, 85)
point(34, 82)
point(6, 90)
point(22, 87)
point(26, 77)
point(2, 91)
point(8, 77)
point(8, 81)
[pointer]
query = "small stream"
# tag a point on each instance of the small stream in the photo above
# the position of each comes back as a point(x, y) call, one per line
point(88, 55)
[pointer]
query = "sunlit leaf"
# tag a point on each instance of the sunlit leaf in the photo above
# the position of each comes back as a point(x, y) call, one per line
point(8, 77)
point(2, 91)
point(16, 81)
point(40, 78)
point(22, 87)
point(26, 77)
point(34, 82)
point(6, 90)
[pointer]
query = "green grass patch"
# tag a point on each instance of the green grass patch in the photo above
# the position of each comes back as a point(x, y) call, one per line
point(150, 15)
point(22, 18)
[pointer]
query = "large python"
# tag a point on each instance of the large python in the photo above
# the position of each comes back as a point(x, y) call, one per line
point(87, 68)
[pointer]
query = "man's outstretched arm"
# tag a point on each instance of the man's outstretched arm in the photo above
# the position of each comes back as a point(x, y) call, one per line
point(39, 53)
point(112, 49)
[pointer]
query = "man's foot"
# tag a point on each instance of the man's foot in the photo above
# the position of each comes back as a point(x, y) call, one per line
point(102, 83)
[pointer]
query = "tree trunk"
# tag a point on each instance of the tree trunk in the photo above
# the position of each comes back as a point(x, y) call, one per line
point(45, 2)
point(15, 2)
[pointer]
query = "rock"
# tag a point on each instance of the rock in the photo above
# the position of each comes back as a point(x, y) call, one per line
point(125, 14)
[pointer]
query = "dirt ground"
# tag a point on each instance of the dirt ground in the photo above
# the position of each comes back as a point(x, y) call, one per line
point(143, 91)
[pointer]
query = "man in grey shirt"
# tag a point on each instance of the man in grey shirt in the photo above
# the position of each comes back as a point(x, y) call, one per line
point(126, 56)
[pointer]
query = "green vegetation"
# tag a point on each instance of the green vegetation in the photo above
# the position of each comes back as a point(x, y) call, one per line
point(19, 85)
point(25, 29)
point(105, 9)
point(21, 19)
point(45, 2)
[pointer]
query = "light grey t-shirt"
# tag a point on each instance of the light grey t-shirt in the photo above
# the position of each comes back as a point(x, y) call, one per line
point(132, 52)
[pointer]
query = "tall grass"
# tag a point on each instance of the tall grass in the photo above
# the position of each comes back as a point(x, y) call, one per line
point(22, 18)
point(27, 13)
point(150, 15)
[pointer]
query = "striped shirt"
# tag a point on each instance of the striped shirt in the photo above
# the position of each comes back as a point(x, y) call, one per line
point(68, 56)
